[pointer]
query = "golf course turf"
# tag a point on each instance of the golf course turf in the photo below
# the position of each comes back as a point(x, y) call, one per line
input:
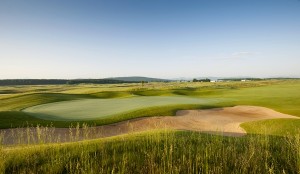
point(152, 99)
point(89, 109)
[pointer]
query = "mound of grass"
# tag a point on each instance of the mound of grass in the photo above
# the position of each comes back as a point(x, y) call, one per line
point(23, 101)
point(150, 92)
point(169, 110)
point(201, 92)
point(284, 98)
point(9, 118)
point(278, 127)
point(159, 152)
point(16, 119)
point(113, 94)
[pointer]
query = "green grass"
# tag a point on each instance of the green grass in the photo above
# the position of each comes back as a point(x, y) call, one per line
point(93, 109)
point(16, 103)
point(277, 127)
point(169, 110)
point(112, 94)
point(14, 119)
point(282, 96)
point(159, 152)
point(17, 119)
point(150, 92)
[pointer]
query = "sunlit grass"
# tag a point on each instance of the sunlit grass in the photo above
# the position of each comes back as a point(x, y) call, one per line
point(20, 102)
point(273, 127)
point(93, 109)
point(159, 152)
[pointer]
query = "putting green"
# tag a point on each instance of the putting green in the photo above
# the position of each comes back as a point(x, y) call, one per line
point(89, 109)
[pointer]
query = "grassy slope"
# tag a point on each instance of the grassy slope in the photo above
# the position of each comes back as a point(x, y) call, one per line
point(273, 127)
point(158, 152)
point(12, 116)
point(284, 98)
point(17, 103)
point(14, 119)
point(147, 112)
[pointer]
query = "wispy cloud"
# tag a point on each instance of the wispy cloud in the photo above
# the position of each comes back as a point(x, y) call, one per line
point(242, 54)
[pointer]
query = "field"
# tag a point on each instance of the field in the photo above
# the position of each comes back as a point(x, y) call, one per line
point(155, 151)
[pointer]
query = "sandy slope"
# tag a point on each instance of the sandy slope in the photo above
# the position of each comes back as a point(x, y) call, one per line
point(220, 120)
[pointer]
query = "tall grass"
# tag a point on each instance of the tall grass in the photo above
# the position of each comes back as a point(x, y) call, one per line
point(159, 152)
point(48, 134)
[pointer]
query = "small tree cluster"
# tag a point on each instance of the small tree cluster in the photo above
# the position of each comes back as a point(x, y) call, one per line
point(201, 80)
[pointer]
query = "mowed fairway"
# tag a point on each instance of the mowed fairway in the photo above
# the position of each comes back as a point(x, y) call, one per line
point(89, 109)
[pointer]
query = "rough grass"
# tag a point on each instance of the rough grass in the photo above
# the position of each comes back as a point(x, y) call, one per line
point(159, 152)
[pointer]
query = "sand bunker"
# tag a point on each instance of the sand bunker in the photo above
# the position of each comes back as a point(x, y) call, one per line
point(219, 120)
point(225, 120)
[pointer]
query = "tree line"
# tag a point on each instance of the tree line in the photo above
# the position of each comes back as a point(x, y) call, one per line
point(7, 82)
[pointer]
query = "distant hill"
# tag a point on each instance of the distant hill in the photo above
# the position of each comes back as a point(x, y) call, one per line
point(139, 79)
point(7, 82)
point(116, 80)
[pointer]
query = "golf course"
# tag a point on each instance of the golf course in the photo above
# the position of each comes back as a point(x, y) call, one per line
point(63, 105)
point(150, 87)
point(71, 124)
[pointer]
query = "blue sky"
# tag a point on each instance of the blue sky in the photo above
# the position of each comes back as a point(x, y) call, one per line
point(157, 38)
